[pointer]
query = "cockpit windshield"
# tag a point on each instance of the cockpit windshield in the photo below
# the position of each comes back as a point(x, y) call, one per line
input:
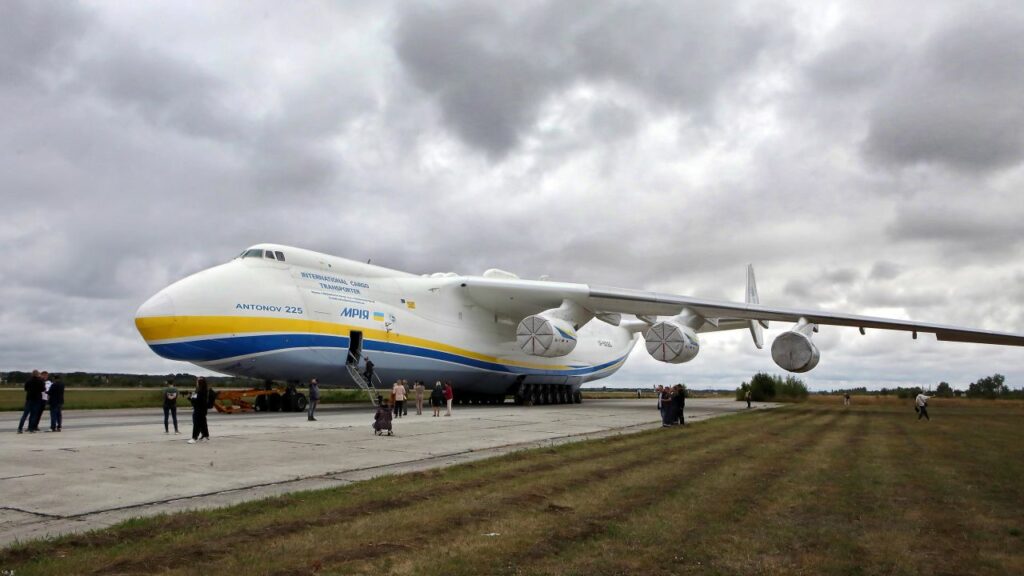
point(261, 253)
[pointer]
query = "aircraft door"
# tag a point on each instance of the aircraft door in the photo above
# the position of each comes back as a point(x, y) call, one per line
point(355, 347)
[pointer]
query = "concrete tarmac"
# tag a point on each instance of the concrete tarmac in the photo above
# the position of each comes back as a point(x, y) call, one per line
point(110, 465)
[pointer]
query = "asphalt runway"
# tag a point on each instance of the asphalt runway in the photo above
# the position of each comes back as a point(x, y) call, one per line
point(110, 465)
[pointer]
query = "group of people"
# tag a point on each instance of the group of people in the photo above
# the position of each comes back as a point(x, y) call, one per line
point(671, 404)
point(201, 399)
point(440, 397)
point(395, 405)
point(41, 392)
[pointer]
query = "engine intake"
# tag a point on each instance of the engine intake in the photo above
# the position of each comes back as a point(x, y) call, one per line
point(794, 351)
point(543, 335)
point(671, 342)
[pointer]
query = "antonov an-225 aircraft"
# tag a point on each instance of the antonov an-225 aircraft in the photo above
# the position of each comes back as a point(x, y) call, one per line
point(287, 314)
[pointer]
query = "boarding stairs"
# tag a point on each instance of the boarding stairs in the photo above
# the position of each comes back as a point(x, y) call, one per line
point(353, 371)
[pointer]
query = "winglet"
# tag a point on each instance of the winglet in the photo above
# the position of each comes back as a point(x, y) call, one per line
point(755, 325)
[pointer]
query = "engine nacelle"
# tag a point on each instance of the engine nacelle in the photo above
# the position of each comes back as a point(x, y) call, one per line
point(795, 352)
point(672, 342)
point(545, 335)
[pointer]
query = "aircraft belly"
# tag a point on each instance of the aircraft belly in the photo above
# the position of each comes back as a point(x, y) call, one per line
point(476, 373)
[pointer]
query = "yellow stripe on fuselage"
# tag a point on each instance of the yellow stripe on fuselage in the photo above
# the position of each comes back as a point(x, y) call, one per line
point(156, 329)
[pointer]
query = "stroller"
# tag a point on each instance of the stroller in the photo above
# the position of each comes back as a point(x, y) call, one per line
point(382, 419)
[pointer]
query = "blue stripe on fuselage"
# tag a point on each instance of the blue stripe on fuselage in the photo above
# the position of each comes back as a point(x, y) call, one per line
point(213, 349)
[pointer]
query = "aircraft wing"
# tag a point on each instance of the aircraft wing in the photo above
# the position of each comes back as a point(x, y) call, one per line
point(521, 298)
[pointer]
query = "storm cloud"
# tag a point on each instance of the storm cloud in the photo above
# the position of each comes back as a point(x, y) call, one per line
point(866, 157)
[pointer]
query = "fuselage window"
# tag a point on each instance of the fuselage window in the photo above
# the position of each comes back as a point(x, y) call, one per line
point(280, 256)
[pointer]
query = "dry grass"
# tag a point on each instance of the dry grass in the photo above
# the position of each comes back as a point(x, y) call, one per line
point(812, 488)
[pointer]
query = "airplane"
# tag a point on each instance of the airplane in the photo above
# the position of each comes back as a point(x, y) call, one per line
point(286, 314)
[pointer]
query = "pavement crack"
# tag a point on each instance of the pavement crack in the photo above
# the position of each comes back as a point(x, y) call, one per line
point(23, 476)
point(31, 513)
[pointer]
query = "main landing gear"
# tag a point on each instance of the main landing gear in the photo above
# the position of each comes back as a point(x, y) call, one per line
point(277, 400)
point(540, 394)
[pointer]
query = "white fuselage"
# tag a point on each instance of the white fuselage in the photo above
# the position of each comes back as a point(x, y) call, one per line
point(296, 319)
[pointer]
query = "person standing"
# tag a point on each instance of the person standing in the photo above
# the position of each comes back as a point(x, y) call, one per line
point(170, 394)
point(417, 390)
point(200, 404)
point(449, 395)
point(37, 415)
point(747, 397)
point(666, 406)
point(405, 403)
point(33, 395)
point(399, 391)
point(314, 398)
point(56, 404)
point(437, 398)
point(46, 392)
point(922, 406)
point(846, 399)
point(368, 371)
point(679, 404)
point(657, 392)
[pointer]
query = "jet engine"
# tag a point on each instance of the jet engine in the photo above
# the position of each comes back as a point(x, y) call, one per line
point(545, 335)
point(794, 351)
point(671, 341)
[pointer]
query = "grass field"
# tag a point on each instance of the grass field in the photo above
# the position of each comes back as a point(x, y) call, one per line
point(810, 488)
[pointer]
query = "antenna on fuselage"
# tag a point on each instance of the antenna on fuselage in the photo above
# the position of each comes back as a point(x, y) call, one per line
point(368, 260)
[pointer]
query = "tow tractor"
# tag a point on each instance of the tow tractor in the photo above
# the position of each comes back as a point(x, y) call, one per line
point(267, 399)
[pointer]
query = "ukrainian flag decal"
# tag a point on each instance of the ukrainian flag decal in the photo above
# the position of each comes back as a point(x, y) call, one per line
point(378, 316)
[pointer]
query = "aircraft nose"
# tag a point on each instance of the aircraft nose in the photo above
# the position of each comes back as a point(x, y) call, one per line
point(160, 304)
point(154, 314)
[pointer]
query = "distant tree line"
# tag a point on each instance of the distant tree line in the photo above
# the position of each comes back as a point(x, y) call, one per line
point(991, 387)
point(98, 380)
point(765, 387)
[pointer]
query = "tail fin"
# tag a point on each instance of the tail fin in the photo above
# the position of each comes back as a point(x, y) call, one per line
point(751, 286)
point(755, 325)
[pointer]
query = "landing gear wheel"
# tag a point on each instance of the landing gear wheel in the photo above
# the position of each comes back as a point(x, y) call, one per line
point(273, 402)
point(577, 397)
point(300, 403)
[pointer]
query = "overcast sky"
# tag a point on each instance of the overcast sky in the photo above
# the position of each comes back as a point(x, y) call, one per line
point(865, 156)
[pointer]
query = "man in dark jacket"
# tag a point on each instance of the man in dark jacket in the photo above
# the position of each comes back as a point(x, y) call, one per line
point(368, 372)
point(56, 404)
point(33, 398)
point(37, 415)
point(201, 400)
point(678, 404)
point(314, 399)
point(170, 394)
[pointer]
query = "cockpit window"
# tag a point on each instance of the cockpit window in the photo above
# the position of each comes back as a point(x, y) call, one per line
point(253, 253)
point(269, 254)
point(280, 256)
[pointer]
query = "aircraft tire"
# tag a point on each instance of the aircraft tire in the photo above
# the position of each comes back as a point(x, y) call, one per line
point(274, 402)
point(300, 403)
point(577, 397)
